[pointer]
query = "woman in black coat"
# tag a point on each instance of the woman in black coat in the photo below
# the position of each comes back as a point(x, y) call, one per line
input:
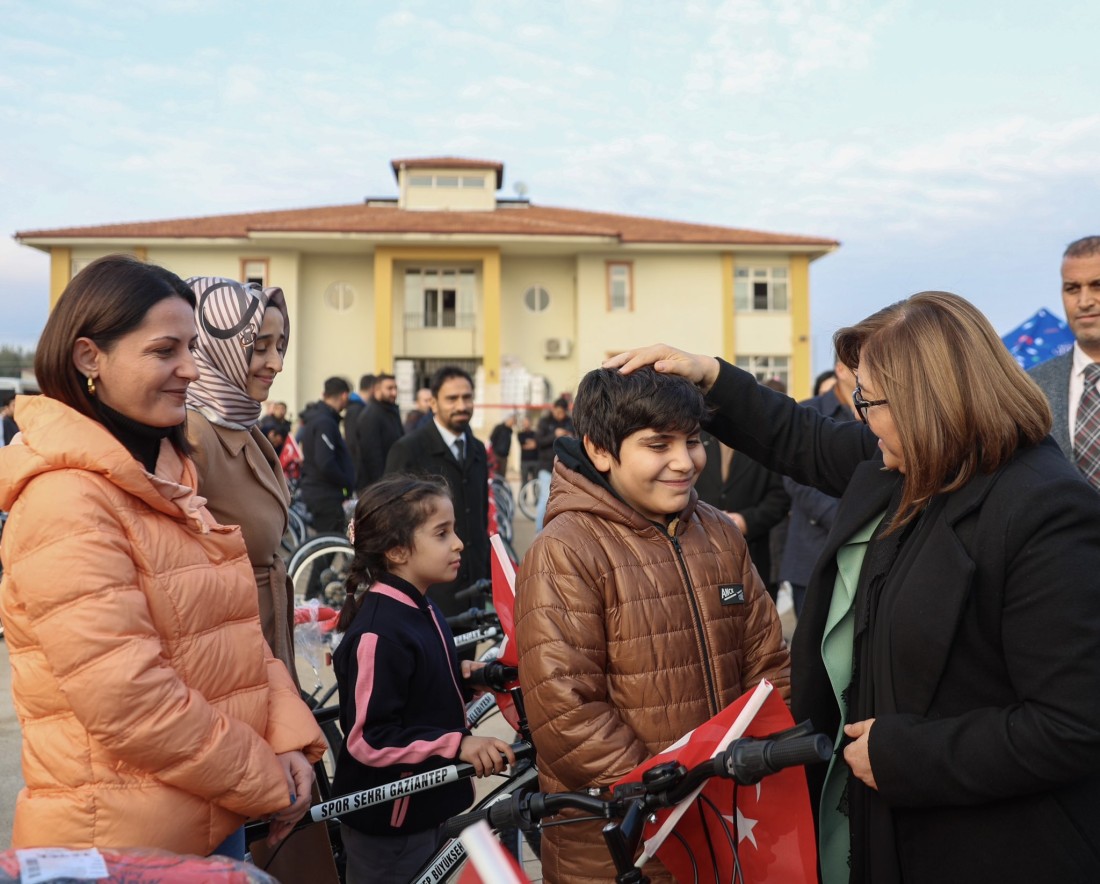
point(951, 635)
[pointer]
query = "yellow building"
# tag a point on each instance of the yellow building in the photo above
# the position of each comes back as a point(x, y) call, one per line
point(448, 272)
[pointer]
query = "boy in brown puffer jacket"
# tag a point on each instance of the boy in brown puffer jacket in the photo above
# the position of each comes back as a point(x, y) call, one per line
point(638, 612)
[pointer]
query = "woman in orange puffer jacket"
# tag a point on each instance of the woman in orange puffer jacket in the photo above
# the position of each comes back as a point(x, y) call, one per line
point(153, 712)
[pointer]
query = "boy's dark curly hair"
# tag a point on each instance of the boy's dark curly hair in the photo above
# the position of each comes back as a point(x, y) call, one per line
point(609, 406)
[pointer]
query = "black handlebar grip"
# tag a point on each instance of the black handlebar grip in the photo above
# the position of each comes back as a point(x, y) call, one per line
point(465, 621)
point(476, 589)
point(454, 827)
point(794, 751)
point(501, 815)
point(494, 674)
point(749, 761)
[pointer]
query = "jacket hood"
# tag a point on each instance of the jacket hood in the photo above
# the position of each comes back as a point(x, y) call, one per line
point(54, 436)
point(580, 487)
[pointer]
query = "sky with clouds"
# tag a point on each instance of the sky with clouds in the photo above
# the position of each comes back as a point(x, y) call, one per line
point(946, 144)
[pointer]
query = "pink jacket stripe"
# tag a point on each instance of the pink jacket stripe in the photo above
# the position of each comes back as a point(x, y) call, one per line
point(383, 756)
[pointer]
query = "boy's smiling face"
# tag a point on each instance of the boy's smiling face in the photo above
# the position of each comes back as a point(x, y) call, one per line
point(655, 470)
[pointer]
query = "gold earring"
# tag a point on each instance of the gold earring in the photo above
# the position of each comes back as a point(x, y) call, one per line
point(91, 386)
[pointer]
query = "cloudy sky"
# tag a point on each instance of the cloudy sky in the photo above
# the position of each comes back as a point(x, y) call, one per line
point(947, 143)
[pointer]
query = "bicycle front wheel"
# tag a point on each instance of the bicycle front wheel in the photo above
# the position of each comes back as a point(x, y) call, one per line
point(319, 569)
point(528, 499)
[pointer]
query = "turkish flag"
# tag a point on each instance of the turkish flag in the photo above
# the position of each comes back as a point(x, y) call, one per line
point(767, 830)
point(504, 600)
point(290, 458)
point(488, 862)
point(504, 603)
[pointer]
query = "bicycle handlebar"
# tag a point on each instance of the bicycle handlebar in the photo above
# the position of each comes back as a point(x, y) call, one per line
point(477, 589)
point(493, 675)
point(746, 761)
point(471, 619)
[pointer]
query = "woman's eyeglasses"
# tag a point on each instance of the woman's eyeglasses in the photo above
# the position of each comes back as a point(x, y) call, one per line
point(863, 404)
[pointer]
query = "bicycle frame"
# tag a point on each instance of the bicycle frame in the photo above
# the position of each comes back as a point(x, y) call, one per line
point(420, 782)
point(446, 861)
point(745, 761)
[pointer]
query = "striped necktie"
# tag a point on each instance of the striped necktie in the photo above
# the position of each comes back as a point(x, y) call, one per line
point(1086, 436)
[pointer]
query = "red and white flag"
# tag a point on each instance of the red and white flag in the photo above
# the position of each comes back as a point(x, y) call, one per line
point(766, 829)
point(504, 603)
point(504, 599)
point(290, 458)
point(487, 861)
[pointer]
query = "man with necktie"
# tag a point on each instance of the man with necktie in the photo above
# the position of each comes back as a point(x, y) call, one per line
point(444, 447)
point(1071, 382)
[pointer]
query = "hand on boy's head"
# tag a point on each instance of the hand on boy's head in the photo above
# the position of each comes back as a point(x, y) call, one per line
point(700, 370)
point(488, 755)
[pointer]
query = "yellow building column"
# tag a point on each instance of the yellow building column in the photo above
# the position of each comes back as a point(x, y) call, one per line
point(801, 368)
point(729, 321)
point(383, 309)
point(61, 267)
point(490, 271)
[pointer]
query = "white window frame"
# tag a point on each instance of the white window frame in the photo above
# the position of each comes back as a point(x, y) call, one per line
point(426, 284)
point(766, 367)
point(620, 286)
point(250, 265)
point(762, 288)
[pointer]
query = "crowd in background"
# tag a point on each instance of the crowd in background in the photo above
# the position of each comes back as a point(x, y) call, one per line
point(932, 507)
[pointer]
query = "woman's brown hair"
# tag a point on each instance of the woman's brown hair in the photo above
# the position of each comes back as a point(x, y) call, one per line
point(961, 404)
point(105, 301)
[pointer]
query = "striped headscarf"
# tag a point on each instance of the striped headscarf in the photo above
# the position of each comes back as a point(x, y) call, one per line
point(228, 315)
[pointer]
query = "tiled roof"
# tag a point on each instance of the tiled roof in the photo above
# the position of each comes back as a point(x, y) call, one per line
point(516, 220)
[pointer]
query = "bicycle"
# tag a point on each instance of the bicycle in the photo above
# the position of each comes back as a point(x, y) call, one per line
point(746, 761)
point(319, 569)
point(298, 522)
point(447, 860)
point(528, 498)
point(503, 507)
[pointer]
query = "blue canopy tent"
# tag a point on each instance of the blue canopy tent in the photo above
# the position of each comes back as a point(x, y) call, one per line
point(1038, 339)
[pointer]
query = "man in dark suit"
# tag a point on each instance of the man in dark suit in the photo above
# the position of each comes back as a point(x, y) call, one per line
point(751, 495)
point(328, 476)
point(813, 511)
point(1068, 381)
point(376, 428)
point(446, 448)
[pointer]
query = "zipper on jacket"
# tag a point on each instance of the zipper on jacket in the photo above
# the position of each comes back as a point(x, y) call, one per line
point(712, 694)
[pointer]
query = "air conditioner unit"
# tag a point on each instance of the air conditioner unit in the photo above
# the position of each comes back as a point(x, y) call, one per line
point(557, 348)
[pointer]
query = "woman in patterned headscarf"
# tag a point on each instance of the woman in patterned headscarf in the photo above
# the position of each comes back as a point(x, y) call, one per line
point(243, 331)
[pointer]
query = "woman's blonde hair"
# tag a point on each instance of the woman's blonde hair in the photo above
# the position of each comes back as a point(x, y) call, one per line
point(960, 403)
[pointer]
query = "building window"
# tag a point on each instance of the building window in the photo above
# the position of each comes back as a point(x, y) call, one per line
point(254, 270)
point(760, 288)
point(465, 182)
point(339, 296)
point(439, 297)
point(620, 286)
point(766, 368)
point(536, 299)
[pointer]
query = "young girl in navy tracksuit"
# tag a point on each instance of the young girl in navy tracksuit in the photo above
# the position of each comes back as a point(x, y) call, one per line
point(401, 703)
